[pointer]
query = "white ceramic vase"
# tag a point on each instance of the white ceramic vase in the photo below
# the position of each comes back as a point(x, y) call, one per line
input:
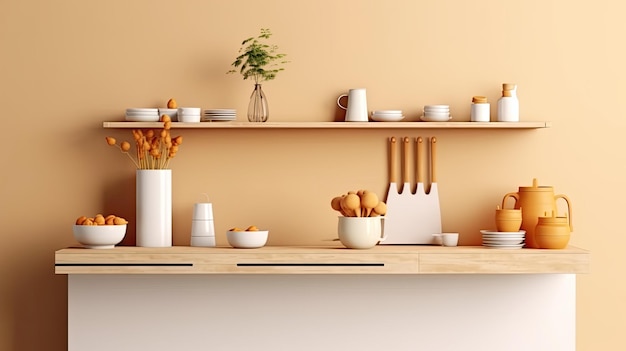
point(154, 207)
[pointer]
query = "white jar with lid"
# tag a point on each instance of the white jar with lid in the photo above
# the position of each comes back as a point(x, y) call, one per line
point(480, 109)
point(508, 105)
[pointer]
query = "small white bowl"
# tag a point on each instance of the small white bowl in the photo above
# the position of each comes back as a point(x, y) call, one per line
point(172, 112)
point(386, 112)
point(436, 107)
point(387, 118)
point(247, 239)
point(188, 118)
point(99, 236)
point(439, 115)
point(189, 111)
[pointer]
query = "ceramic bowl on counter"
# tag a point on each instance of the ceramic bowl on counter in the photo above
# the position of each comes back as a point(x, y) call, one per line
point(247, 239)
point(99, 236)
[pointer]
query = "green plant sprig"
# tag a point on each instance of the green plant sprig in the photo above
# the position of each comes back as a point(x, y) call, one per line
point(258, 60)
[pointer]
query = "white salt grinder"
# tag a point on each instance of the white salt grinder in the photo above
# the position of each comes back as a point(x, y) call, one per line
point(202, 229)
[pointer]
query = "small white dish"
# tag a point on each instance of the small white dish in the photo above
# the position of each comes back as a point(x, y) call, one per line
point(383, 112)
point(437, 119)
point(503, 241)
point(436, 107)
point(493, 232)
point(388, 118)
point(143, 118)
point(220, 110)
point(513, 247)
point(142, 110)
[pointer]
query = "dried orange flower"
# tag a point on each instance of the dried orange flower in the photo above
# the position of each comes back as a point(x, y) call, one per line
point(111, 141)
point(154, 149)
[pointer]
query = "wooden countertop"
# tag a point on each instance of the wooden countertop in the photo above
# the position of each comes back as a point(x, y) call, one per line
point(382, 259)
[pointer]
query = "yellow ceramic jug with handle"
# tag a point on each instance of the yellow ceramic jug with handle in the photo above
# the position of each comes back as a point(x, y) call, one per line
point(536, 201)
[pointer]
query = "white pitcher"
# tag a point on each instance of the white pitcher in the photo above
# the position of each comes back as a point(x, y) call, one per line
point(356, 111)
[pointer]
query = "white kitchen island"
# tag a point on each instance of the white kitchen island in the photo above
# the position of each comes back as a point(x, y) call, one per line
point(321, 298)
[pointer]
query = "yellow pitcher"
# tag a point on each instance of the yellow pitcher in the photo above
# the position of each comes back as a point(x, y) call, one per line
point(536, 201)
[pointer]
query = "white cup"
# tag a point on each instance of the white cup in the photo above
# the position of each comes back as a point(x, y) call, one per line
point(480, 113)
point(360, 232)
point(356, 111)
point(449, 239)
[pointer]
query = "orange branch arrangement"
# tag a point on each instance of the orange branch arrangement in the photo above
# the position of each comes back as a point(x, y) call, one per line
point(154, 149)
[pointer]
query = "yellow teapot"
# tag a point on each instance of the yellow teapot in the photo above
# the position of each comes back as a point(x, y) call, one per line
point(536, 201)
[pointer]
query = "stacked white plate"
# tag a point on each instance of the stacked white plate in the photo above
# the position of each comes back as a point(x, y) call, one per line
point(503, 240)
point(436, 113)
point(387, 115)
point(219, 114)
point(142, 114)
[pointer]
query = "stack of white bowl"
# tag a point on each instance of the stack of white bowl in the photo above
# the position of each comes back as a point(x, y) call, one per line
point(436, 113)
point(503, 240)
point(189, 114)
point(172, 112)
point(219, 114)
point(387, 115)
point(142, 114)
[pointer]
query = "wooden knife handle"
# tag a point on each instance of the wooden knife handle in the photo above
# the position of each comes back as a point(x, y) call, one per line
point(405, 159)
point(392, 160)
point(419, 157)
point(433, 159)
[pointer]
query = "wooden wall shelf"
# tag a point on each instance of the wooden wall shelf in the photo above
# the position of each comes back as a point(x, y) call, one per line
point(332, 125)
point(382, 259)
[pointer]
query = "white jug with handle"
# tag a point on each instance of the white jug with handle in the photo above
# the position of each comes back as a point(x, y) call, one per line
point(356, 111)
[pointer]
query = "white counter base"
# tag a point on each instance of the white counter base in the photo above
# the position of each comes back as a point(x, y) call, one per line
point(322, 312)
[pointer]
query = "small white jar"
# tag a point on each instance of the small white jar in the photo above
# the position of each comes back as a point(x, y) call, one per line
point(480, 110)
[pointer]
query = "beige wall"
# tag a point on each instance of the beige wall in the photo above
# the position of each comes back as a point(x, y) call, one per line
point(69, 65)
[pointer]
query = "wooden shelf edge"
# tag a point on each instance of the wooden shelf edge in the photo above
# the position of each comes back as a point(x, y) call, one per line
point(321, 260)
point(332, 125)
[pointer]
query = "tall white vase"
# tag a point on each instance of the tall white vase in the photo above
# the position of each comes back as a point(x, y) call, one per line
point(154, 207)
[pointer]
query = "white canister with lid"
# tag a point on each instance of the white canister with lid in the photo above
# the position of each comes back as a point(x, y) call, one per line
point(480, 110)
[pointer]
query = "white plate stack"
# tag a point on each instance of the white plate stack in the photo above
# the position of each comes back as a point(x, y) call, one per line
point(436, 113)
point(219, 114)
point(142, 114)
point(503, 240)
point(387, 115)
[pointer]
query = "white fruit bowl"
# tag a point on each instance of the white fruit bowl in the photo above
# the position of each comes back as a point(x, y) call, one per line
point(247, 239)
point(99, 236)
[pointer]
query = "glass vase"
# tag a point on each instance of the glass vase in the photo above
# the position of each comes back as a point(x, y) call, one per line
point(258, 110)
